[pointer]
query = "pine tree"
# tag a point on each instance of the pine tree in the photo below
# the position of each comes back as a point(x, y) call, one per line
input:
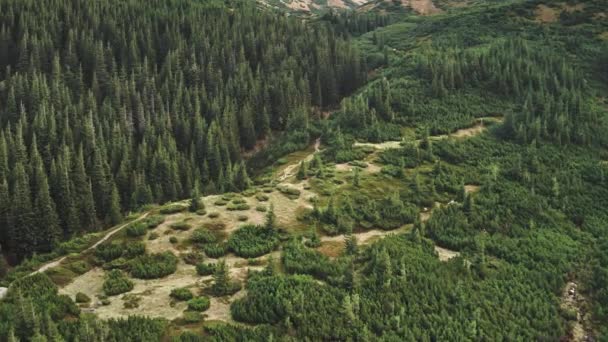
point(302, 171)
point(195, 200)
point(271, 219)
point(350, 244)
point(5, 210)
point(23, 232)
point(356, 177)
point(83, 194)
point(221, 278)
point(47, 222)
point(114, 211)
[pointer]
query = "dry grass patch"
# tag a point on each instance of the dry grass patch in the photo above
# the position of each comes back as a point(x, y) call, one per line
point(332, 249)
point(471, 189)
point(445, 254)
point(546, 14)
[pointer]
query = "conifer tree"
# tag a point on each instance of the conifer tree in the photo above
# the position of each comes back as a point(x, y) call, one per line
point(114, 211)
point(271, 219)
point(23, 235)
point(195, 200)
point(221, 278)
point(83, 194)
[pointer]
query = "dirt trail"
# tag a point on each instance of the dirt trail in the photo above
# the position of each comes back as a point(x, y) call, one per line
point(478, 128)
point(290, 171)
point(57, 262)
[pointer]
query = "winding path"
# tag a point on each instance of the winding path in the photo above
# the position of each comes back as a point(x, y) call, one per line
point(57, 262)
point(290, 170)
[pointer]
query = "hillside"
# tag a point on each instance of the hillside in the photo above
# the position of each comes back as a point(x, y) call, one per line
point(423, 7)
point(219, 171)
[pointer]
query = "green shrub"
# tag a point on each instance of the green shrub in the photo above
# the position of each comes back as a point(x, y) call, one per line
point(249, 192)
point(173, 240)
point(202, 235)
point(106, 302)
point(205, 269)
point(243, 218)
point(228, 196)
point(136, 229)
point(116, 283)
point(133, 249)
point(183, 226)
point(153, 266)
point(201, 212)
point(192, 317)
point(131, 301)
point(153, 221)
point(215, 250)
point(173, 209)
point(199, 304)
point(220, 203)
point(291, 193)
point(82, 298)
point(238, 201)
point(266, 190)
point(153, 236)
point(252, 241)
point(112, 251)
point(214, 215)
point(109, 251)
point(358, 163)
point(120, 263)
point(193, 258)
point(261, 208)
point(182, 294)
point(238, 207)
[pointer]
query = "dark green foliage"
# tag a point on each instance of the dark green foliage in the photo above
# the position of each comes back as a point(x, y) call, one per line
point(268, 301)
point(112, 251)
point(202, 235)
point(193, 258)
point(153, 266)
point(387, 213)
point(136, 229)
point(290, 192)
point(298, 258)
point(191, 317)
point(195, 201)
point(136, 328)
point(182, 294)
point(199, 304)
point(153, 221)
point(82, 298)
point(203, 269)
point(183, 226)
point(238, 207)
point(262, 197)
point(116, 283)
point(172, 209)
point(252, 241)
point(215, 250)
point(222, 284)
point(118, 117)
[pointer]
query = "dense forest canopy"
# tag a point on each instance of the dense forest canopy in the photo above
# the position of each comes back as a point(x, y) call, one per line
point(110, 105)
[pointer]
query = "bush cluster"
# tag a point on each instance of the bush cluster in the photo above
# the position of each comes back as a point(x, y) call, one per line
point(153, 266)
point(116, 283)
